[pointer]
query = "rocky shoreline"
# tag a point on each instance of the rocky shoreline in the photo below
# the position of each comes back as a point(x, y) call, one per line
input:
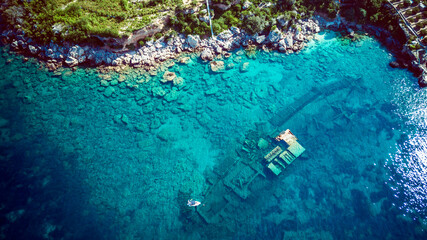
point(153, 54)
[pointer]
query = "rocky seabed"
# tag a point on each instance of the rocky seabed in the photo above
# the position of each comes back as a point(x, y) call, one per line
point(152, 54)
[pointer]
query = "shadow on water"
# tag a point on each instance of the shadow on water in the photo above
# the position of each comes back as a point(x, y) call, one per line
point(44, 198)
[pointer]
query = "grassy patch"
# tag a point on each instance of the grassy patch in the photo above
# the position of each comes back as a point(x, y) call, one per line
point(77, 20)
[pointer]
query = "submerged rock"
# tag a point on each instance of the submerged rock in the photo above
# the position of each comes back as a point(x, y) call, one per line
point(230, 66)
point(244, 67)
point(212, 91)
point(158, 92)
point(166, 134)
point(141, 127)
point(178, 81)
point(172, 96)
point(109, 91)
point(168, 76)
point(3, 122)
point(125, 119)
point(217, 66)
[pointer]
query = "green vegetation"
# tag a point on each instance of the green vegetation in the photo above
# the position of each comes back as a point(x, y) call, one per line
point(188, 22)
point(263, 14)
point(376, 12)
point(79, 20)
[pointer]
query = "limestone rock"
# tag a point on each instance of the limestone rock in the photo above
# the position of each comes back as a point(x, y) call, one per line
point(193, 41)
point(71, 62)
point(206, 55)
point(225, 35)
point(275, 36)
point(221, 6)
point(217, 66)
point(32, 49)
point(76, 51)
point(246, 4)
point(260, 39)
point(184, 60)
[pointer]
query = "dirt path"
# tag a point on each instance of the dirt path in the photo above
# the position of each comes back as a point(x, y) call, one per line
point(66, 5)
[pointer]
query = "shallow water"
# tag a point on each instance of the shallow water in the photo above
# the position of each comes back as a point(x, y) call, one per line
point(79, 161)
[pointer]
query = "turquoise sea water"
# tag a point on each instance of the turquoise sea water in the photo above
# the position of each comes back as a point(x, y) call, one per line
point(91, 155)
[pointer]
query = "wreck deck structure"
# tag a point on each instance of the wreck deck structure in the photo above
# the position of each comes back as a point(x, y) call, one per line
point(236, 183)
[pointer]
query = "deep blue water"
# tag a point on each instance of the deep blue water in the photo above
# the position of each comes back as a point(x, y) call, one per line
point(80, 162)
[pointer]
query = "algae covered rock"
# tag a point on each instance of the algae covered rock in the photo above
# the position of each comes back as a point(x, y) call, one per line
point(109, 91)
point(217, 66)
point(3, 122)
point(158, 92)
point(125, 119)
point(141, 127)
point(230, 66)
point(166, 134)
point(212, 91)
point(155, 123)
point(172, 96)
point(168, 76)
point(178, 81)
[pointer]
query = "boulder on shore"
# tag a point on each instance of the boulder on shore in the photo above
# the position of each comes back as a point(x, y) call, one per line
point(71, 62)
point(394, 64)
point(206, 55)
point(193, 41)
point(274, 36)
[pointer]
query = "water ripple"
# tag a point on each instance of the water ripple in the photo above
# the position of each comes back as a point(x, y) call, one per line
point(408, 165)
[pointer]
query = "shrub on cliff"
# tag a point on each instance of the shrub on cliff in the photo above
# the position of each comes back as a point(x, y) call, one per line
point(188, 24)
point(255, 24)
